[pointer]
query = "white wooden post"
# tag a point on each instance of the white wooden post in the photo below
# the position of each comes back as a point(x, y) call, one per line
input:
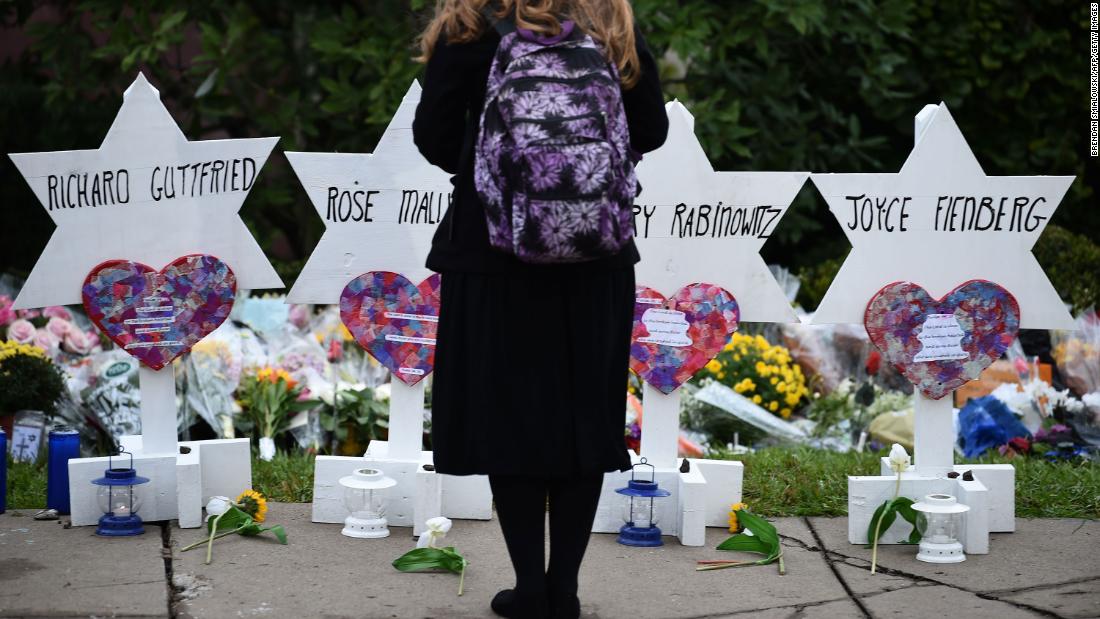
point(158, 409)
point(406, 436)
point(660, 426)
point(933, 426)
point(933, 435)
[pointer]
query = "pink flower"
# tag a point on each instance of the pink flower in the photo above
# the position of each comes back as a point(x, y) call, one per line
point(1021, 366)
point(46, 341)
point(58, 311)
point(22, 331)
point(77, 342)
point(7, 314)
point(58, 327)
point(299, 316)
point(335, 350)
point(29, 313)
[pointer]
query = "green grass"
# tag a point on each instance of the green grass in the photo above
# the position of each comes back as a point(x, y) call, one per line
point(778, 482)
point(809, 482)
point(26, 485)
point(288, 478)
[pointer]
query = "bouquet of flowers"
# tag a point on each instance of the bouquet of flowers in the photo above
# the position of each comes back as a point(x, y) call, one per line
point(268, 397)
point(28, 379)
point(762, 372)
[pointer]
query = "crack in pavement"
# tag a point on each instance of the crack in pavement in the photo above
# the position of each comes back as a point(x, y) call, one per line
point(1053, 585)
point(917, 578)
point(836, 573)
point(169, 568)
point(796, 607)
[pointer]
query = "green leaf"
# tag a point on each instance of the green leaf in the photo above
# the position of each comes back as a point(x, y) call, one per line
point(430, 558)
point(764, 539)
point(421, 559)
point(233, 518)
point(745, 543)
point(885, 512)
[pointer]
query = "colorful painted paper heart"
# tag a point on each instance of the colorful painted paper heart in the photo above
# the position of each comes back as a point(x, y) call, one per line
point(674, 338)
point(157, 316)
point(941, 344)
point(394, 320)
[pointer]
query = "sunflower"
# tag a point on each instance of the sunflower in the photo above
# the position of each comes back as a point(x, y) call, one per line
point(736, 507)
point(254, 504)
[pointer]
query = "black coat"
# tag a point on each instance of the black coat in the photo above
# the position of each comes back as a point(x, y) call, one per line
point(445, 128)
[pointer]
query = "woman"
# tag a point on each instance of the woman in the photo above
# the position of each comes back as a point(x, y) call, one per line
point(531, 360)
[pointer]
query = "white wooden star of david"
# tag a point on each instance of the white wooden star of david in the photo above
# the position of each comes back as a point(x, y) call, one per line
point(380, 209)
point(694, 224)
point(146, 194)
point(939, 222)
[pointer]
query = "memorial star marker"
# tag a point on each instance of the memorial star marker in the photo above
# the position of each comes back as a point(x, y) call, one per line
point(938, 223)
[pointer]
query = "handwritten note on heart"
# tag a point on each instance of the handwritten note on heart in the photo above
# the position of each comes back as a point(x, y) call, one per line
point(674, 338)
point(394, 320)
point(939, 345)
point(157, 316)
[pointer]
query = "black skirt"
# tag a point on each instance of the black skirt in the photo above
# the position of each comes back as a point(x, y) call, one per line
point(530, 372)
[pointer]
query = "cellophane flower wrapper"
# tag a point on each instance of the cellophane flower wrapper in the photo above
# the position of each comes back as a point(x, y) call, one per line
point(112, 394)
point(835, 353)
point(1077, 354)
point(210, 376)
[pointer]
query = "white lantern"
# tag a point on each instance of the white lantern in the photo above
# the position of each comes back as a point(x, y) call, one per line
point(365, 497)
point(940, 522)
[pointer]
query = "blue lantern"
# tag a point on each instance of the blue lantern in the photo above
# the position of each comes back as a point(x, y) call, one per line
point(120, 498)
point(640, 528)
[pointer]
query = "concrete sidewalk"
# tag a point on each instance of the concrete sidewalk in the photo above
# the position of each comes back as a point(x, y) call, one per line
point(1048, 568)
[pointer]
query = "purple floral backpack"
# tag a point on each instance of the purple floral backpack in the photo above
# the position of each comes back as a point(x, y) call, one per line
point(552, 160)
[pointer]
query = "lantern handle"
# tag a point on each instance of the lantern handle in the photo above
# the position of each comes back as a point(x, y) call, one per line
point(110, 458)
point(644, 462)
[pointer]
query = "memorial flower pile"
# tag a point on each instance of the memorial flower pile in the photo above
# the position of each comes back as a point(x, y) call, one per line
point(762, 372)
point(268, 397)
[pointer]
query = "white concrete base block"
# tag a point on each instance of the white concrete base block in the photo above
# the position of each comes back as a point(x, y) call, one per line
point(866, 493)
point(465, 497)
point(189, 489)
point(160, 493)
point(700, 498)
point(691, 516)
point(724, 479)
point(999, 480)
point(209, 468)
point(414, 499)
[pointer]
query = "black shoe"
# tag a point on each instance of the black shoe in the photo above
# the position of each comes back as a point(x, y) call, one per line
point(564, 605)
point(508, 603)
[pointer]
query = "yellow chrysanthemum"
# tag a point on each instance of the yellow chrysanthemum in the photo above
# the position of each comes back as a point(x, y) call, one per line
point(714, 366)
point(756, 399)
point(773, 406)
point(254, 504)
point(785, 413)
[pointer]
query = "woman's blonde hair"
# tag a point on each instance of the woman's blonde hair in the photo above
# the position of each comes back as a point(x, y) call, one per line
point(610, 22)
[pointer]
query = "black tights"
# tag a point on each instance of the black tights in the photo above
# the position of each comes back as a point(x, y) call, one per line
point(521, 509)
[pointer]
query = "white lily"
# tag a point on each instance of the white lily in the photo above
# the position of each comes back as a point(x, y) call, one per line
point(437, 530)
point(899, 458)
